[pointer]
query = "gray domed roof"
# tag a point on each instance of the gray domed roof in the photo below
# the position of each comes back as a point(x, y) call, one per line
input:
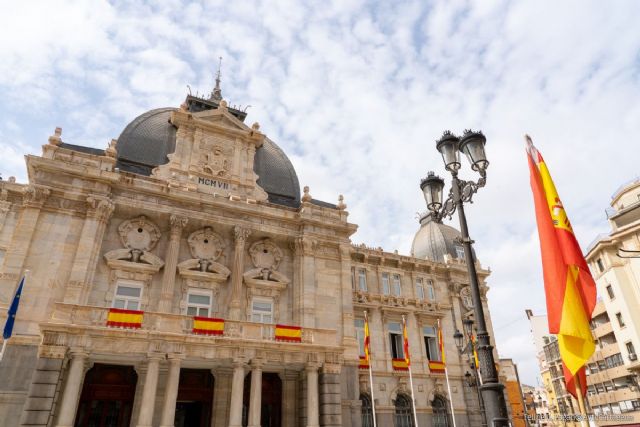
point(146, 141)
point(434, 240)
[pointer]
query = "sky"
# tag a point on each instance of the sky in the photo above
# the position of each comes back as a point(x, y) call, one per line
point(356, 93)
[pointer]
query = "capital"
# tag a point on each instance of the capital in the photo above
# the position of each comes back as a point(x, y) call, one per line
point(241, 234)
point(177, 223)
point(99, 207)
point(35, 196)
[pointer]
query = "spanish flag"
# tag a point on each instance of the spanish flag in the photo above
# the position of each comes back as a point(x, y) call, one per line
point(438, 366)
point(367, 339)
point(407, 357)
point(569, 287)
point(399, 364)
point(364, 363)
point(475, 350)
point(120, 318)
point(208, 326)
point(441, 345)
point(288, 333)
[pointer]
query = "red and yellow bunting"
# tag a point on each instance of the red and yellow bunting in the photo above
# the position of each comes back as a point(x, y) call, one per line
point(288, 333)
point(367, 340)
point(399, 364)
point(120, 318)
point(441, 345)
point(436, 367)
point(208, 326)
point(364, 363)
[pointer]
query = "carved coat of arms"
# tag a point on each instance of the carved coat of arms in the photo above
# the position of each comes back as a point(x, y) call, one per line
point(216, 161)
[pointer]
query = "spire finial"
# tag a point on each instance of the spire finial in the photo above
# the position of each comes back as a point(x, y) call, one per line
point(216, 95)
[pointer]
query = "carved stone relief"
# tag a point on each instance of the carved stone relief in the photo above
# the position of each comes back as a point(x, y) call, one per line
point(265, 254)
point(139, 234)
point(205, 244)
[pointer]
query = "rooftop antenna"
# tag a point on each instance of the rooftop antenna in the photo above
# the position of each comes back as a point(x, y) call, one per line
point(216, 95)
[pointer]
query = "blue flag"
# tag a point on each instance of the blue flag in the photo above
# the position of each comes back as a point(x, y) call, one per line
point(13, 310)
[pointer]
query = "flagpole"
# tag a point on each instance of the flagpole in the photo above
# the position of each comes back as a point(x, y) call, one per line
point(453, 414)
point(581, 407)
point(368, 352)
point(413, 400)
point(4, 345)
point(446, 371)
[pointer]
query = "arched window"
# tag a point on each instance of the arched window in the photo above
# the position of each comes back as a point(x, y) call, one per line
point(404, 412)
point(367, 411)
point(440, 415)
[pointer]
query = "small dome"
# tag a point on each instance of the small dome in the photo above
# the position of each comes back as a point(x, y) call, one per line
point(434, 240)
point(146, 141)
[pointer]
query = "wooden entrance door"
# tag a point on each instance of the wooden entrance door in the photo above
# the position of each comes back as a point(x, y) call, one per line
point(107, 396)
point(195, 396)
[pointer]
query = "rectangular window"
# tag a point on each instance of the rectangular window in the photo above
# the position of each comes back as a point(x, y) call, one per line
point(359, 324)
point(262, 310)
point(199, 303)
point(600, 265)
point(127, 296)
point(419, 289)
point(630, 349)
point(460, 252)
point(620, 319)
point(353, 278)
point(431, 343)
point(610, 292)
point(362, 280)
point(431, 292)
point(397, 286)
point(396, 341)
point(385, 283)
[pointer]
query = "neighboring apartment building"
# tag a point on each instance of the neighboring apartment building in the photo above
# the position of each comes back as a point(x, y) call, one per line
point(515, 397)
point(536, 405)
point(611, 388)
point(178, 277)
point(614, 260)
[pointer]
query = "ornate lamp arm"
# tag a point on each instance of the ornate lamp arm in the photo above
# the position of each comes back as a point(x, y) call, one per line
point(466, 190)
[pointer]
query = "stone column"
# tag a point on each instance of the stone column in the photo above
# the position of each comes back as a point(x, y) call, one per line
point(145, 416)
point(170, 262)
point(237, 389)
point(221, 397)
point(171, 392)
point(99, 210)
point(313, 403)
point(235, 306)
point(255, 399)
point(289, 379)
point(32, 201)
point(72, 388)
point(349, 342)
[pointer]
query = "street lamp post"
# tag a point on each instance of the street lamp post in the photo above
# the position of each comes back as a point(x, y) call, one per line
point(472, 145)
point(466, 347)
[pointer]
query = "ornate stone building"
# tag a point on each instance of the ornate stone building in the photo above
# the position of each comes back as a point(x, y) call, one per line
point(178, 277)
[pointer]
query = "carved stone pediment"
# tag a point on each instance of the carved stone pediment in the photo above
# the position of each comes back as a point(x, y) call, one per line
point(139, 233)
point(263, 278)
point(213, 271)
point(129, 260)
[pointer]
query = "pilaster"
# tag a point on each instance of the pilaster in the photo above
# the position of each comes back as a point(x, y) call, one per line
point(177, 223)
point(235, 306)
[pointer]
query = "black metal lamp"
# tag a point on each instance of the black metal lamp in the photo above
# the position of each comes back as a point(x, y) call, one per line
point(458, 338)
point(447, 145)
point(472, 145)
point(431, 187)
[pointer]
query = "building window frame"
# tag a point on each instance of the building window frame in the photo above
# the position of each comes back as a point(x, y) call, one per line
point(259, 315)
point(609, 289)
point(620, 320)
point(386, 288)
point(420, 289)
point(396, 347)
point(200, 309)
point(362, 279)
point(359, 326)
point(431, 345)
point(431, 290)
point(124, 301)
point(396, 288)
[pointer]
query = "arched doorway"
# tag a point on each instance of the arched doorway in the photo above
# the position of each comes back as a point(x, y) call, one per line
point(404, 411)
point(107, 396)
point(440, 414)
point(195, 396)
point(367, 410)
point(271, 409)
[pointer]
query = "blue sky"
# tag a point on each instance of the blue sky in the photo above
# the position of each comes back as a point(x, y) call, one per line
point(356, 93)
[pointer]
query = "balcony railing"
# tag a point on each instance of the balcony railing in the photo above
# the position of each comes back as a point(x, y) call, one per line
point(96, 317)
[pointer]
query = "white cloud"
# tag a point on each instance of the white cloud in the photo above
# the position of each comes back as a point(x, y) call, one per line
point(357, 94)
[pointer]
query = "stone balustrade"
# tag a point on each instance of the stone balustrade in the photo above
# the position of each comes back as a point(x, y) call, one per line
point(168, 323)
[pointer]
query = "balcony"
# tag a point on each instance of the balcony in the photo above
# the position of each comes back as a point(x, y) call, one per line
point(603, 330)
point(175, 326)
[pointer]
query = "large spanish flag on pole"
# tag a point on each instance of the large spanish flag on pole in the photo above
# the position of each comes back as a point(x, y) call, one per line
point(568, 285)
